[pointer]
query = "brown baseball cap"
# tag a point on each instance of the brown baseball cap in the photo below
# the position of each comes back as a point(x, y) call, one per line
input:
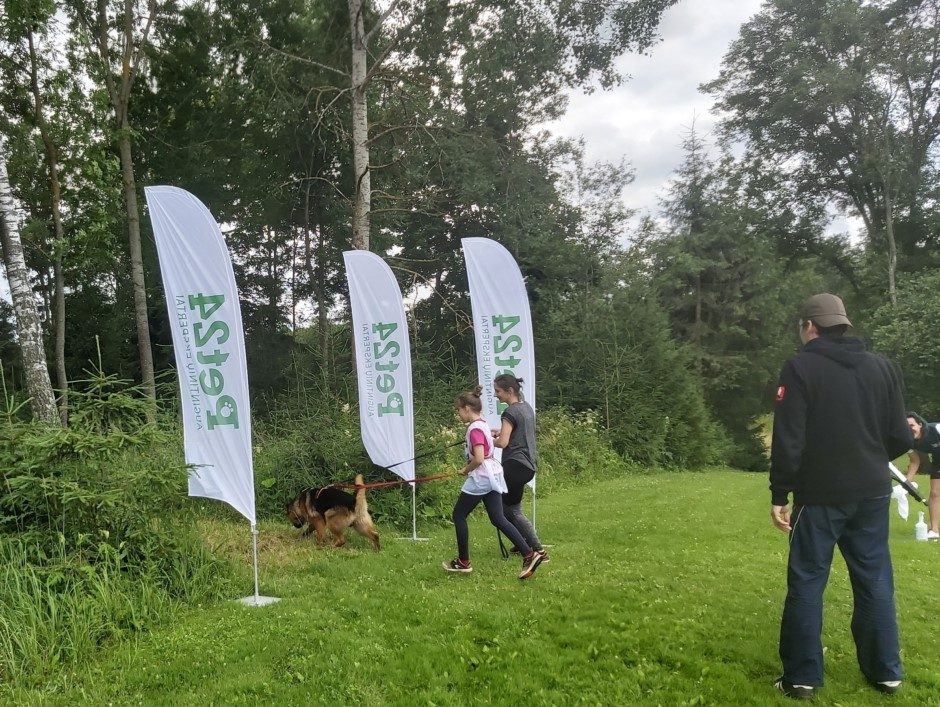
point(825, 309)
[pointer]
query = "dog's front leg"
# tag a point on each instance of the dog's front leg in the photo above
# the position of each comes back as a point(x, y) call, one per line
point(319, 527)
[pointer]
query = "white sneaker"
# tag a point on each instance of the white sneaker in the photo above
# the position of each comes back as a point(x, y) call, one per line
point(933, 535)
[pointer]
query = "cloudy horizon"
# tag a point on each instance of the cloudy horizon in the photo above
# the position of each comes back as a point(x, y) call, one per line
point(646, 118)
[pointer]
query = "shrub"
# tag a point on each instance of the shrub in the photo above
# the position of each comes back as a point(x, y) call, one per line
point(907, 334)
point(99, 538)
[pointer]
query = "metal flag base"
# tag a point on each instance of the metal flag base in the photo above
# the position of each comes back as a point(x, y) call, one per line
point(414, 519)
point(257, 599)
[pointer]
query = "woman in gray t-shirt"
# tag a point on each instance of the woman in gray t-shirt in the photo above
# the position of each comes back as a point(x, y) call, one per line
point(516, 437)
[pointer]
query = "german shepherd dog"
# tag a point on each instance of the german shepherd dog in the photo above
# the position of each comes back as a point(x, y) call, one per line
point(333, 510)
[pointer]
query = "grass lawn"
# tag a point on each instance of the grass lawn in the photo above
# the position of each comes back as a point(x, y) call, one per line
point(662, 589)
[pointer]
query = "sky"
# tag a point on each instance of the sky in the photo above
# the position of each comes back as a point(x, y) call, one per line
point(645, 118)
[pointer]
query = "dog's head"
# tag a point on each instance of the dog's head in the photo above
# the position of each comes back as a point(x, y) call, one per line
point(295, 512)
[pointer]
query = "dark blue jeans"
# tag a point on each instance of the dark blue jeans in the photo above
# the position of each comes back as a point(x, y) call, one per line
point(861, 532)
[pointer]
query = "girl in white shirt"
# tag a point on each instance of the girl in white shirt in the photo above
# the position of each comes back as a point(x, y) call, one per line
point(484, 483)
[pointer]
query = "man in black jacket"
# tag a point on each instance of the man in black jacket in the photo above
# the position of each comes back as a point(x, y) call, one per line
point(839, 419)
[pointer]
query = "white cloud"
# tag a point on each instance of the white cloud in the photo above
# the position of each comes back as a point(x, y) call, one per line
point(645, 118)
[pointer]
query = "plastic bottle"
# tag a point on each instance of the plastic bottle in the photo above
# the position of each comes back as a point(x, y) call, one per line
point(920, 527)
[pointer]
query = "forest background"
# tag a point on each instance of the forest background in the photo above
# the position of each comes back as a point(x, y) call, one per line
point(309, 128)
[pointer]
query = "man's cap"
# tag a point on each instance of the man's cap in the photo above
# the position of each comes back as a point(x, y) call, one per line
point(825, 310)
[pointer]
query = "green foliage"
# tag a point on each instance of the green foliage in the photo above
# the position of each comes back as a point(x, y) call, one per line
point(97, 537)
point(614, 354)
point(907, 334)
point(731, 299)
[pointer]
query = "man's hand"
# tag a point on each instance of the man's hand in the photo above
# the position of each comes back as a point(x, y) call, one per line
point(780, 515)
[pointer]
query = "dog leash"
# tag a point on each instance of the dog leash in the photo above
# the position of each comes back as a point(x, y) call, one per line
point(502, 548)
point(385, 484)
point(397, 482)
point(424, 454)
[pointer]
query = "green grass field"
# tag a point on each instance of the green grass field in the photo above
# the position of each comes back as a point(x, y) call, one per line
point(662, 589)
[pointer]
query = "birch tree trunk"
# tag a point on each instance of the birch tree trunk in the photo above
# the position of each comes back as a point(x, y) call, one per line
point(52, 160)
point(28, 324)
point(892, 247)
point(362, 196)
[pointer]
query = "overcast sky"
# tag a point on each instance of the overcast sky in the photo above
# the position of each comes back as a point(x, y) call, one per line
point(646, 117)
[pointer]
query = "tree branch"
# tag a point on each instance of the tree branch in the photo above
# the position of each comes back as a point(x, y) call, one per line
point(377, 63)
point(379, 23)
point(305, 60)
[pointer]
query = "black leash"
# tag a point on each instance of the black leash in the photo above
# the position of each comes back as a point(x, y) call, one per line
point(423, 454)
point(502, 548)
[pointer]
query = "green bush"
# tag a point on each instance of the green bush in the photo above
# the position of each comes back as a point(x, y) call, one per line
point(56, 607)
point(615, 355)
point(98, 536)
point(907, 334)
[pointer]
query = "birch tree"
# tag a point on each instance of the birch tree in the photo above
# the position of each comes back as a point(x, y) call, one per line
point(28, 324)
point(55, 193)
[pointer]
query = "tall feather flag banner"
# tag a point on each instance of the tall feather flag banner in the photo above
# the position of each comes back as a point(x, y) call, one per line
point(383, 363)
point(209, 345)
point(502, 323)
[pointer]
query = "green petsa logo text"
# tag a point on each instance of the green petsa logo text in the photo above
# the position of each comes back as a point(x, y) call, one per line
point(381, 360)
point(204, 339)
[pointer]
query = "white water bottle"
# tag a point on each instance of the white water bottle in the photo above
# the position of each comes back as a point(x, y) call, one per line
point(920, 527)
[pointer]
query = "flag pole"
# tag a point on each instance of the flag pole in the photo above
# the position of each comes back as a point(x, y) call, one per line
point(533, 508)
point(257, 599)
point(414, 515)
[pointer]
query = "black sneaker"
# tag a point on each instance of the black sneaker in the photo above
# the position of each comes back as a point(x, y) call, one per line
point(796, 692)
point(515, 551)
point(530, 564)
point(457, 565)
point(888, 687)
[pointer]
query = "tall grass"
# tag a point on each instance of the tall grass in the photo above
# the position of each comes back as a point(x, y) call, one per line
point(96, 540)
point(64, 609)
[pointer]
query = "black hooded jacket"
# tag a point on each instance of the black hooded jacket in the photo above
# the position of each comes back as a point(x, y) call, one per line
point(839, 419)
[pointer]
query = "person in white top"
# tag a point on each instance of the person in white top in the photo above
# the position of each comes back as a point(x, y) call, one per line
point(484, 483)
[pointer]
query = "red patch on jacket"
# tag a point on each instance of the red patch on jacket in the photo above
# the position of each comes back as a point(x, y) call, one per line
point(781, 391)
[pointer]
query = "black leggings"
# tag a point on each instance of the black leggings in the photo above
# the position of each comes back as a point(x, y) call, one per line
point(493, 501)
point(517, 476)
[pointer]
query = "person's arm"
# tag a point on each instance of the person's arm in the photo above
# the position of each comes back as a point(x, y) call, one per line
point(501, 436)
point(789, 440)
point(914, 460)
point(475, 460)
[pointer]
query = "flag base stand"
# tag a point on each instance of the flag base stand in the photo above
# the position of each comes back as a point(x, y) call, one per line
point(414, 519)
point(256, 599)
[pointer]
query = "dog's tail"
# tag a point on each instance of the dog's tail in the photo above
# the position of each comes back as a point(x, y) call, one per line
point(362, 508)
